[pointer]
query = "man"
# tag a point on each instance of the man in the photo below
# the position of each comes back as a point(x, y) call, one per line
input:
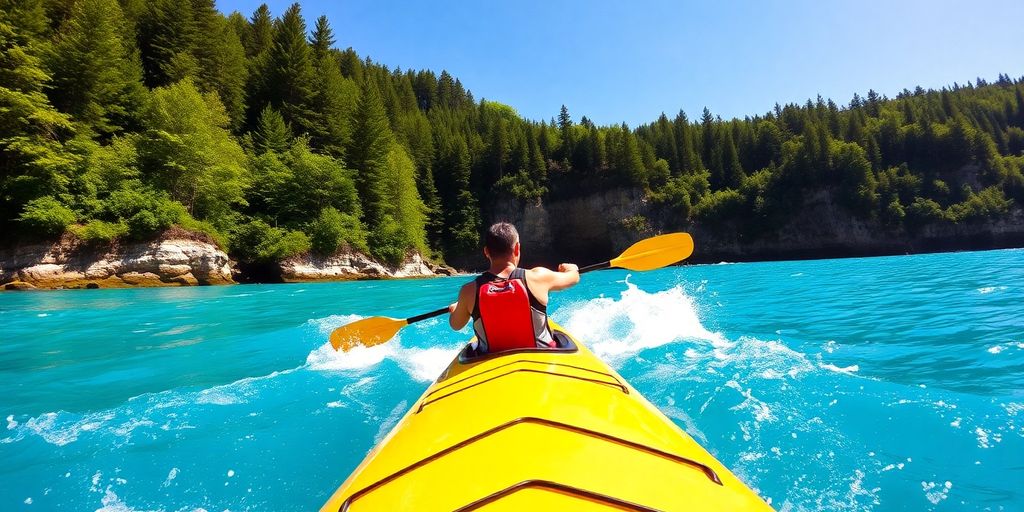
point(508, 304)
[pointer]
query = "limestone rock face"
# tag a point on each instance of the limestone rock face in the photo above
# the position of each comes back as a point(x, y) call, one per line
point(66, 264)
point(351, 265)
point(580, 230)
point(594, 227)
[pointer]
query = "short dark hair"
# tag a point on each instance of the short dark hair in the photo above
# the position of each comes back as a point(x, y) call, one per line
point(501, 238)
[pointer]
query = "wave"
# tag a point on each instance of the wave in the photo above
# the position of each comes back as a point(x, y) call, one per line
point(422, 364)
point(616, 329)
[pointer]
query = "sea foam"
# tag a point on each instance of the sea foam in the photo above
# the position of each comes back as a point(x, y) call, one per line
point(616, 329)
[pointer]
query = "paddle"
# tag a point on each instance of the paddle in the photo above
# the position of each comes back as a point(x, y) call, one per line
point(647, 254)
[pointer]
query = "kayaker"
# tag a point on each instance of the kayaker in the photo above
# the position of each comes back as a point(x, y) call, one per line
point(508, 304)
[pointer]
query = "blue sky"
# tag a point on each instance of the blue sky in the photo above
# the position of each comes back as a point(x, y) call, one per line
point(629, 61)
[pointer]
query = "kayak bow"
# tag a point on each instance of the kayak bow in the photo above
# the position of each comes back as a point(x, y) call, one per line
point(538, 429)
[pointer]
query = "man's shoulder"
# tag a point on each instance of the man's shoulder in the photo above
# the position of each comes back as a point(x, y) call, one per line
point(539, 273)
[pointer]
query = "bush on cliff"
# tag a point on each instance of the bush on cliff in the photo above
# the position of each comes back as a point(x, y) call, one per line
point(990, 203)
point(388, 242)
point(922, 212)
point(259, 242)
point(145, 211)
point(332, 229)
point(721, 205)
point(46, 216)
point(100, 232)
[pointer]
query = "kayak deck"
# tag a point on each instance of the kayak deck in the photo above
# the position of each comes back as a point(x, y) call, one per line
point(542, 430)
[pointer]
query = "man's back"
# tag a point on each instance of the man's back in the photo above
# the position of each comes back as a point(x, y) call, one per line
point(509, 305)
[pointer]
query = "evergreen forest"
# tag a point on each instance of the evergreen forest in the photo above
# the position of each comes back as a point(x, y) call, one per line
point(120, 119)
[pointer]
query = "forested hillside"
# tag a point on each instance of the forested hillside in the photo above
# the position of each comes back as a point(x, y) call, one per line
point(120, 119)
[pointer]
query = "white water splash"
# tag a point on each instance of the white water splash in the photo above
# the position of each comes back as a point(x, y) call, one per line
point(849, 370)
point(989, 289)
point(996, 349)
point(422, 364)
point(616, 329)
point(936, 493)
point(983, 440)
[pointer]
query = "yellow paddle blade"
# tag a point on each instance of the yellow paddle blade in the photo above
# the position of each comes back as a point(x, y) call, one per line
point(366, 332)
point(655, 252)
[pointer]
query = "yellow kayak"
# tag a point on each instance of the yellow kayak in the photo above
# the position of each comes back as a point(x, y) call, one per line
point(545, 429)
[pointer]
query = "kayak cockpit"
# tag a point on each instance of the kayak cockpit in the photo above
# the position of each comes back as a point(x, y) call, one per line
point(469, 356)
point(563, 343)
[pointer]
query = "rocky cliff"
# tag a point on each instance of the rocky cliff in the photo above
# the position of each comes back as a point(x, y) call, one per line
point(597, 227)
point(177, 259)
point(355, 265)
point(583, 230)
point(180, 258)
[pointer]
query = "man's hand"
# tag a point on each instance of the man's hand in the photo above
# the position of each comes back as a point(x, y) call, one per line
point(568, 267)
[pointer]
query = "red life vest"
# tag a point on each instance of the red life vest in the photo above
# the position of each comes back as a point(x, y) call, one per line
point(507, 316)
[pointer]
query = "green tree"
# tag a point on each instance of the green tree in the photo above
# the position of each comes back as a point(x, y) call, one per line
point(289, 73)
point(189, 152)
point(96, 77)
point(261, 32)
point(334, 95)
point(168, 34)
point(221, 60)
point(33, 161)
point(333, 230)
point(407, 209)
point(272, 133)
point(368, 153)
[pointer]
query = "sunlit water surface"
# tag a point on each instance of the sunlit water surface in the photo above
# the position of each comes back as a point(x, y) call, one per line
point(863, 384)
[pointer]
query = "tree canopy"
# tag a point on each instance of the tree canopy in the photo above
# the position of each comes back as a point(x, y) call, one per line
point(119, 119)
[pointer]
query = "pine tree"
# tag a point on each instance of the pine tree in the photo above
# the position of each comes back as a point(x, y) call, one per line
point(220, 60)
point(689, 159)
point(564, 119)
point(406, 207)
point(272, 133)
point(334, 95)
point(95, 77)
point(536, 165)
point(446, 90)
point(289, 73)
point(424, 85)
point(25, 17)
point(261, 32)
point(498, 150)
point(463, 219)
point(707, 132)
point(733, 170)
point(368, 154)
point(351, 66)
point(167, 36)
point(322, 39)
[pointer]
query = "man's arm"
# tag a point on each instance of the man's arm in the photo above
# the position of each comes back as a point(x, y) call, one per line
point(543, 280)
point(461, 311)
point(568, 275)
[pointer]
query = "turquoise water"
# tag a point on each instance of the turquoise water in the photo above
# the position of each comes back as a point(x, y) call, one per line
point(864, 384)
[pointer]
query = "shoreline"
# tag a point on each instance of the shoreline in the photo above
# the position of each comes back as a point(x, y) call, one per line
point(696, 260)
point(178, 258)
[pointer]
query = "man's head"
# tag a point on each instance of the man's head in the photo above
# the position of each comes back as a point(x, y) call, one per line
point(502, 243)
